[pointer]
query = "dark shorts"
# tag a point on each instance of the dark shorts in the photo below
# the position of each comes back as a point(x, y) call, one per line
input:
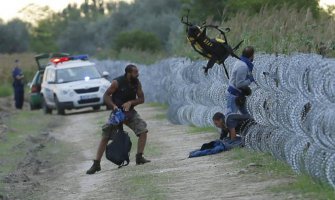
point(135, 123)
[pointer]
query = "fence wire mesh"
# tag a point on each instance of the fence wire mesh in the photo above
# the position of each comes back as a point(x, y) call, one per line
point(293, 103)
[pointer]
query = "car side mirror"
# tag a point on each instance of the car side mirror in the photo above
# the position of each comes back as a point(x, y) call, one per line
point(105, 74)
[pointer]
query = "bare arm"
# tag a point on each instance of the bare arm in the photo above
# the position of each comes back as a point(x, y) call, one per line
point(232, 133)
point(109, 92)
point(233, 120)
point(139, 100)
point(140, 96)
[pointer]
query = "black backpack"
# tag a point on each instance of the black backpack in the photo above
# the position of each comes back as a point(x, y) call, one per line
point(118, 150)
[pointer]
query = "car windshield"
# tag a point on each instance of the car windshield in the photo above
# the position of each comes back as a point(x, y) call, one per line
point(77, 74)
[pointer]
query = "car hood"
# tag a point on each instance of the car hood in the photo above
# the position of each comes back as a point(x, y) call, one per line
point(86, 84)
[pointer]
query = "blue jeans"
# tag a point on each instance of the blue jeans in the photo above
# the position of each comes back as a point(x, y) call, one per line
point(232, 107)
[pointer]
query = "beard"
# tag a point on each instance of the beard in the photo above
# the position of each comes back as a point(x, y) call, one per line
point(134, 80)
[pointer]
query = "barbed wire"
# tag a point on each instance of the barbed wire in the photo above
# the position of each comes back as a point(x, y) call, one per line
point(293, 104)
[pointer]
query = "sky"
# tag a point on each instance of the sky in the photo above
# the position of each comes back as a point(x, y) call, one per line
point(9, 9)
point(325, 3)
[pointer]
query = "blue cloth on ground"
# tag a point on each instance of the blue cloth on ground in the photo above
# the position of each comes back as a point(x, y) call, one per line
point(230, 144)
point(217, 146)
point(213, 147)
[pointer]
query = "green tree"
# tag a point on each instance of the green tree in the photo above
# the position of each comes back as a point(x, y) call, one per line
point(255, 6)
point(71, 30)
point(14, 37)
point(44, 37)
point(138, 40)
point(77, 37)
point(224, 9)
point(200, 10)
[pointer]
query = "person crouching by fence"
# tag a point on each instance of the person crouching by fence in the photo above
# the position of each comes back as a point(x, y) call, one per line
point(229, 124)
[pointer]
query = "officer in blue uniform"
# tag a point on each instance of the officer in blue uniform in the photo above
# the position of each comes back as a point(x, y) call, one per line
point(18, 85)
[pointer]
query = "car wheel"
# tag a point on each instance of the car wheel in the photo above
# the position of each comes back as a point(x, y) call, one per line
point(60, 110)
point(32, 107)
point(96, 108)
point(46, 109)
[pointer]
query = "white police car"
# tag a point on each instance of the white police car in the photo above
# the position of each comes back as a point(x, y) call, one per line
point(72, 82)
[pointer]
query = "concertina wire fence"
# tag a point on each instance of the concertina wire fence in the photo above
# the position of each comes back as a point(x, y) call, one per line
point(293, 103)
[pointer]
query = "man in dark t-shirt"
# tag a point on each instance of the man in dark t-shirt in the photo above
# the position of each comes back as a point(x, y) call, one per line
point(229, 123)
point(124, 93)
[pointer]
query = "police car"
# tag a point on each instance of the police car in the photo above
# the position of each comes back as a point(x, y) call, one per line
point(72, 82)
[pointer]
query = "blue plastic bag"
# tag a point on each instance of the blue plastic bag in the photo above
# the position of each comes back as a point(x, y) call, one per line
point(117, 117)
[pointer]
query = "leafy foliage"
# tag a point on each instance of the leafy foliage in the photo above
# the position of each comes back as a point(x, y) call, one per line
point(43, 38)
point(14, 37)
point(225, 9)
point(105, 28)
point(138, 40)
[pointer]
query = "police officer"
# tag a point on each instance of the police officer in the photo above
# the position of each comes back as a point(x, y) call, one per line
point(18, 85)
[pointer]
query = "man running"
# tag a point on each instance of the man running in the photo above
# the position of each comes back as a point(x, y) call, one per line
point(125, 92)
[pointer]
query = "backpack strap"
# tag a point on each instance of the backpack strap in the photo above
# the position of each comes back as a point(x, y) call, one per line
point(125, 163)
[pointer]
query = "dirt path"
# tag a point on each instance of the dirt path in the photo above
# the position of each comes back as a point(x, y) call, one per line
point(169, 176)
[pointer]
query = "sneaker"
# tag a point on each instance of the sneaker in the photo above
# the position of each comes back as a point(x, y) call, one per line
point(140, 160)
point(95, 167)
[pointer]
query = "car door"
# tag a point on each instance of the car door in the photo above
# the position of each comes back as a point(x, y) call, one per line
point(48, 86)
point(43, 59)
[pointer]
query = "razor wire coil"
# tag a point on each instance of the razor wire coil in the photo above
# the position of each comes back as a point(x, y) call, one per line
point(293, 103)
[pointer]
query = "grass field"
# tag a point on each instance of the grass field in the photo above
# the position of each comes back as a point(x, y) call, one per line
point(197, 130)
point(27, 64)
point(268, 165)
point(6, 90)
point(274, 30)
point(20, 126)
point(17, 143)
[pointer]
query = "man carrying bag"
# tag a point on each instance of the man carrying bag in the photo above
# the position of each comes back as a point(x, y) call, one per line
point(124, 93)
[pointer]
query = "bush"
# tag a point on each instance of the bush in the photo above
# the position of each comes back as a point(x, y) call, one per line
point(226, 9)
point(279, 30)
point(14, 37)
point(27, 64)
point(137, 56)
point(138, 40)
point(5, 90)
